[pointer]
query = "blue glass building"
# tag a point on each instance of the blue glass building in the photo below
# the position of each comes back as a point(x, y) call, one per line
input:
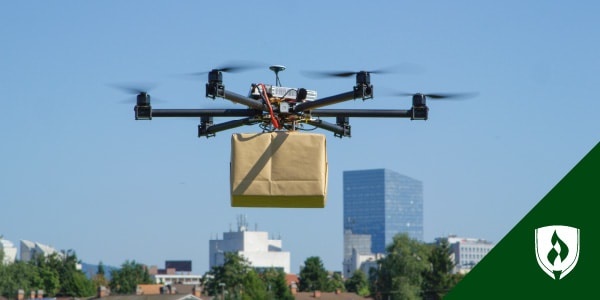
point(382, 203)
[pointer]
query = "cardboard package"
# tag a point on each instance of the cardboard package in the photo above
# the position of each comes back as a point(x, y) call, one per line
point(278, 169)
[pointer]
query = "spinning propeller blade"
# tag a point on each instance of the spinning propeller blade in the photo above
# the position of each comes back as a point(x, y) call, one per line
point(323, 74)
point(134, 89)
point(401, 68)
point(234, 67)
point(440, 96)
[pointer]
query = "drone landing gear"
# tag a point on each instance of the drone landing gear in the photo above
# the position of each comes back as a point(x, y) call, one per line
point(344, 123)
point(205, 123)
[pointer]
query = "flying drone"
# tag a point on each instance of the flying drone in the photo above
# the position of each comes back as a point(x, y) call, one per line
point(279, 108)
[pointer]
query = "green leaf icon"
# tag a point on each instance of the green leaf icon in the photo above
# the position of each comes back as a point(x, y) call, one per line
point(564, 250)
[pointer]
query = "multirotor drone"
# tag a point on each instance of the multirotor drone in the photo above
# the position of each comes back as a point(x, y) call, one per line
point(278, 108)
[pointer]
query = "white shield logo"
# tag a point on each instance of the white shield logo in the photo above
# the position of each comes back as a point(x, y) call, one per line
point(557, 249)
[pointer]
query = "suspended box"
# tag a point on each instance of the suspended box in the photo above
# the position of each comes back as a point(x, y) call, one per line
point(278, 169)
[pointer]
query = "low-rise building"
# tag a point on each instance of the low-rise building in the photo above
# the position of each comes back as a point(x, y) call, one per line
point(170, 279)
point(357, 253)
point(9, 250)
point(363, 262)
point(467, 252)
point(30, 249)
point(175, 273)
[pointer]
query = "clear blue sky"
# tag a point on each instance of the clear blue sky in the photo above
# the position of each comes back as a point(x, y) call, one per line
point(78, 172)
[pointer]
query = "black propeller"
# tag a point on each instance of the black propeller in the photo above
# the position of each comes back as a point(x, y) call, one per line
point(134, 89)
point(234, 67)
point(402, 68)
point(140, 90)
point(440, 96)
point(323, 74)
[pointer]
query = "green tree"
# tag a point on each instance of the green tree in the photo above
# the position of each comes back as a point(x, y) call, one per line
point(15, 276)
point(56, 275)
point(48, 275)
point(439, 280)
point(230, 276)
point(400, 275)
point(126, 279)
point(59, 275)
point(100, 269)
point(100, 278)
point(236, 279)
point(313, 276)
point(336, 282)
point(253, 287)
point(358, 283)
point(276, 285)
point(73, 282)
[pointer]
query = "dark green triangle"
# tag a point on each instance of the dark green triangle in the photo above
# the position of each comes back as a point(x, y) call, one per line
point(511, 271)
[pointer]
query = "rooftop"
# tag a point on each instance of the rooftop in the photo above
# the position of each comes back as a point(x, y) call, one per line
point(329, 296)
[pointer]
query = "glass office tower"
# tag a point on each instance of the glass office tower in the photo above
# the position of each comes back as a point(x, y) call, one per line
point(382, 203)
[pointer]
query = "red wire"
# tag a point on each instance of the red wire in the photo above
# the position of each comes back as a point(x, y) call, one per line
point(266, 99)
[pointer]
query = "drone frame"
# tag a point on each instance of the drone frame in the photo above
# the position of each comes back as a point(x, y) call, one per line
point(299, 111)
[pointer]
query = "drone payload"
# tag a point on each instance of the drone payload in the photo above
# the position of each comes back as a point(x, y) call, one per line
point(278, 169)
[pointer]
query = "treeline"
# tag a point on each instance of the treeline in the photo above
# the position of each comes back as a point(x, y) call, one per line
point(413, 270)
point(57, 275)
point(409, 270)
point(236, 279)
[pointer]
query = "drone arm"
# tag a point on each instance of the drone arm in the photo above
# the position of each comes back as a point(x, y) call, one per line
point(338, 131)
point(237, 98)
point(209, 130)
point(362, 113)
point(197, 113)
point(325, 101)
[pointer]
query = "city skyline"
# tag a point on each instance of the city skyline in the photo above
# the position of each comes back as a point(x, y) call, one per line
point(454, 241)
point(370, 196)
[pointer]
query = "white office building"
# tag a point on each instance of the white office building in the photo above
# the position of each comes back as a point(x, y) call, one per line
point(357, 253)
point(172, 279)
point(255, 246)
point(30, 249)
point(9, 250)
point(467, 252)
point(363, 262)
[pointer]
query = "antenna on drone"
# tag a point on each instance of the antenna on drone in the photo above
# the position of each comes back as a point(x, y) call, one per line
point(277, 69)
